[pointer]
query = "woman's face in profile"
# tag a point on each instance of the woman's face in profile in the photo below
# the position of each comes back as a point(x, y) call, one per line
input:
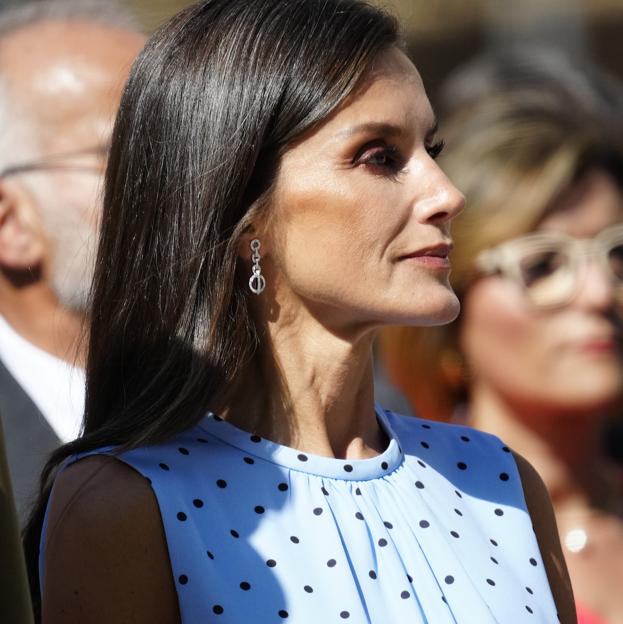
point(359, 228)
point(565, 358)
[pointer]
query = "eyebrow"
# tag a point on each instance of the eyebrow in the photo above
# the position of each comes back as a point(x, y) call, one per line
point(384, 129)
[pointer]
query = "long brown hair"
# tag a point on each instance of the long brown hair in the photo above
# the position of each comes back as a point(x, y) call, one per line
point(213, 101)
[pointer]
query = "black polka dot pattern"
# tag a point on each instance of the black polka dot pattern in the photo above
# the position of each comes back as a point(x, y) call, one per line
point(282, 529)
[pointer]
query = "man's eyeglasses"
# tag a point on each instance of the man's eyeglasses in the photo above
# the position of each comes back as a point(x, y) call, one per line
point(62, 162)
point(547, 265)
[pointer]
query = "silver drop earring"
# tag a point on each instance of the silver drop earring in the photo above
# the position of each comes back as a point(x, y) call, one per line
point(257, 282)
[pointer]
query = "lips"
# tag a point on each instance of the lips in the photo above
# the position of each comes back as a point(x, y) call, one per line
point(441, 250)
point(600, 345)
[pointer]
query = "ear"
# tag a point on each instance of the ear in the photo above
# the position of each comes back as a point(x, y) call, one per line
point(244, 244)
point(22, 240)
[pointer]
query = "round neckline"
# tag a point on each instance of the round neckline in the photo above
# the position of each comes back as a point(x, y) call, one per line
point(293, 459)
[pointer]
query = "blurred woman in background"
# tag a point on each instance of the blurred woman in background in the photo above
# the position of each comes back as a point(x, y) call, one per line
point(537, 353)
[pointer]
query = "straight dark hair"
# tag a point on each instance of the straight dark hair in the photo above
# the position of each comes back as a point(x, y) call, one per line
point(213, 101)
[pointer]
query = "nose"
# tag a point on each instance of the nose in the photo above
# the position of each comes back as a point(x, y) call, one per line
point(442, 202)
point(596, 289)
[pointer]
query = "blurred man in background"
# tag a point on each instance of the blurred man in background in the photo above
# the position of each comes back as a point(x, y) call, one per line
point(62, 68)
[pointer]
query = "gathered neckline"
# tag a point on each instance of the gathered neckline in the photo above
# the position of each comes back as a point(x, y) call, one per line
point(330, 467)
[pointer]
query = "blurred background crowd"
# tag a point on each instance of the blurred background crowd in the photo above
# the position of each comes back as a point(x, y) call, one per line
point(530, 100)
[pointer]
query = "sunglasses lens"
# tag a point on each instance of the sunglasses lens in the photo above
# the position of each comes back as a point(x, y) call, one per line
point(615, 259)
point(547, 276)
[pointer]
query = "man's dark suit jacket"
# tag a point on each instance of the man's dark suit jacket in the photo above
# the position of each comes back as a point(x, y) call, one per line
point(29, 440)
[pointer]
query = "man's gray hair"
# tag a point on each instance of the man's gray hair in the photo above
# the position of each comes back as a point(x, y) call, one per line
point(106, 12)
point(15, 125)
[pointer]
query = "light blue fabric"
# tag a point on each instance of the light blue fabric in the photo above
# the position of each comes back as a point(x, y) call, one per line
point(435, 530)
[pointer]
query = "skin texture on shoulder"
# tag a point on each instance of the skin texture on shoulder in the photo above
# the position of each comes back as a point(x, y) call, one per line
point(106, 554)
point(544, 523)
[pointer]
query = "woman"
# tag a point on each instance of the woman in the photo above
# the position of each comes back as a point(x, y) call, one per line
point(272, 199)
point(537, 354)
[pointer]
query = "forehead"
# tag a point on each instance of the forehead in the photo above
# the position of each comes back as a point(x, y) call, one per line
point(68, 74)
point(391, 92)
point(593, 203)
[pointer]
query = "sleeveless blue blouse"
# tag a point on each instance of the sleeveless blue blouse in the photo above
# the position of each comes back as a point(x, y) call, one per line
point(434, 530)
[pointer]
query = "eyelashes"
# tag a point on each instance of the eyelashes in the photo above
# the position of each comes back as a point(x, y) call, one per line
point(387, 159)
point(435, 149)
point(380, 157)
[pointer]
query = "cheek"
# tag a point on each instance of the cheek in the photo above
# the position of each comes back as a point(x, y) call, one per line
point(84, 200)
point(329, 233)
point(505, 344)
point(525, 355)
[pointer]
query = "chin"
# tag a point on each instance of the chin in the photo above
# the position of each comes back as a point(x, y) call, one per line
point(440, 309)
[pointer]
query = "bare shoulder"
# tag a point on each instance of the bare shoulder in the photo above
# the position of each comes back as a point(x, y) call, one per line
point(105, 539)
point(544, 522)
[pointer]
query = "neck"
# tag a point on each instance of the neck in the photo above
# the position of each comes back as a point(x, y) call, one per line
point(565, 449)
point(320, 390)
point(36, 315)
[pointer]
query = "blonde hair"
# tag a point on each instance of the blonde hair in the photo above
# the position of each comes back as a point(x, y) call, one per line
point(512, 154)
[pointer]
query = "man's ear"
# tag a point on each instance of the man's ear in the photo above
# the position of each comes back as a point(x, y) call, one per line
point(22, 239)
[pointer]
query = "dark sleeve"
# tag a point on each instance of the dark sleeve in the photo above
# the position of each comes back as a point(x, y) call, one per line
point(106, 557)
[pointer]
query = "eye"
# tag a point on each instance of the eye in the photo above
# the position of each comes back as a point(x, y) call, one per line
point(381, 157)
point(435, 149)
